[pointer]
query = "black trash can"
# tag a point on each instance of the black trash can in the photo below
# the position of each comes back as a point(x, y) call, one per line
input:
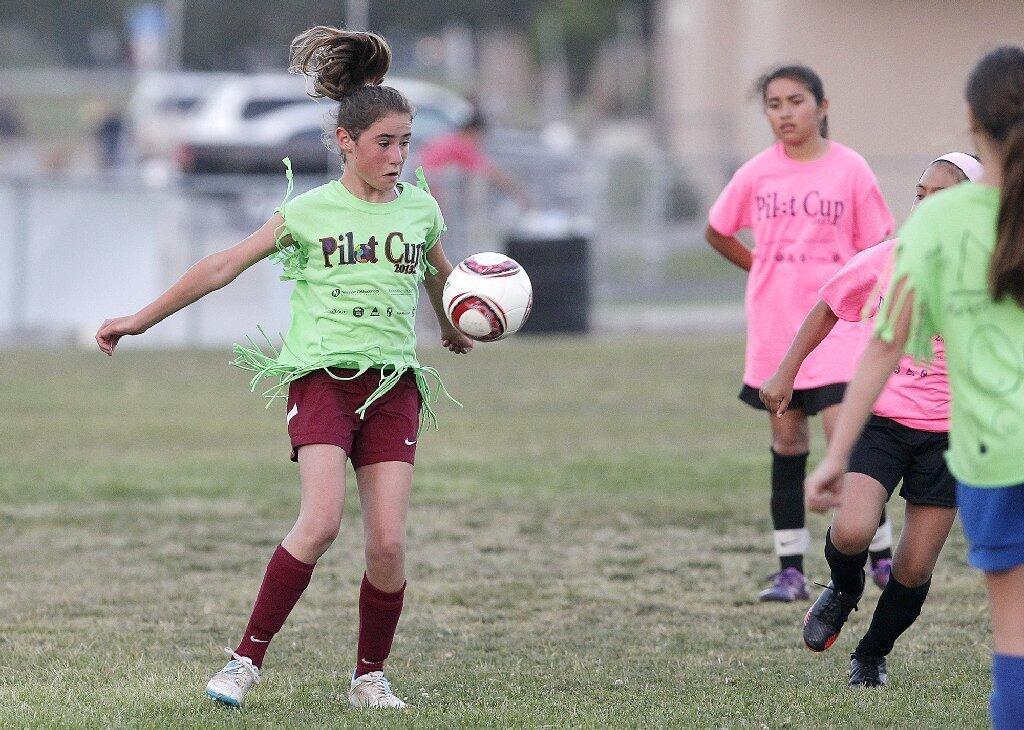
point(559, 269)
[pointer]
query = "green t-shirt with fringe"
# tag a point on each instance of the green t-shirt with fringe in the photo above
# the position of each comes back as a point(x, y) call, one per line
point(357, 267)
point(943, 254)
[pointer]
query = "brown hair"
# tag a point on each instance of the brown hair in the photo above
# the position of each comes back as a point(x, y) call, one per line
point(348, 67)
point(802, 75)
point(995, 94)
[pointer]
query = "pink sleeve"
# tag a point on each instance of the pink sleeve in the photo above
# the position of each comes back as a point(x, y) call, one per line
point(872, 221)
point(848, 290)
point(731, 212)
point(471, 157)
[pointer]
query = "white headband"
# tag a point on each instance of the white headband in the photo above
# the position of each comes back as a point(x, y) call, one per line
point(967, 164)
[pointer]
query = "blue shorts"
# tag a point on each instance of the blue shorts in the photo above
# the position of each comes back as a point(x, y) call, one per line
point(993, 520)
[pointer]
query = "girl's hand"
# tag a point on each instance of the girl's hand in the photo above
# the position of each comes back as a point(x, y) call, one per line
point(113, 329)
point(823, 489)
point(454, 340)
point(776, 393)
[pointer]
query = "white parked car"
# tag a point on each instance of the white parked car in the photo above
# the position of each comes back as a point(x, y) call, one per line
point(248, 123)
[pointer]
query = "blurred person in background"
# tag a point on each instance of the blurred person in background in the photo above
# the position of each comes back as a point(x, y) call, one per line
point(108, 133)
point(18, 153)
point(959, 271)
point(463, 151)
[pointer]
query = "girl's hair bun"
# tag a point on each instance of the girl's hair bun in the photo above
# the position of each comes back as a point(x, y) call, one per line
point(339, 61)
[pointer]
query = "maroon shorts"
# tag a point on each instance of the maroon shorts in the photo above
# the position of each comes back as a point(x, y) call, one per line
point(322, 410)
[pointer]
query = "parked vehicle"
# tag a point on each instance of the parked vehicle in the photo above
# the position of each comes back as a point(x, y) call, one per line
point(251, 122)
point(160, 108)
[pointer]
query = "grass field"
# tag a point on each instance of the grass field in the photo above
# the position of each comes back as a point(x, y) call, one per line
point(586, 538)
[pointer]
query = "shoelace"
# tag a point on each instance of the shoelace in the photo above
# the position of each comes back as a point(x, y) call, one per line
point(379, 682)
point(830, 612)
point(243, 665)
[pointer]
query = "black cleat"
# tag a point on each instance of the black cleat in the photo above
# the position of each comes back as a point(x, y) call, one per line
point(825, 619)
point(868, 671)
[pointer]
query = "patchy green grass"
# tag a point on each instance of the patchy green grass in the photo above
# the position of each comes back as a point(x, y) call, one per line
point(586, 539)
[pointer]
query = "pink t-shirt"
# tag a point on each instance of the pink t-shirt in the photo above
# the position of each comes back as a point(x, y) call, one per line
point(808, 219)
point(917, 397)
point(453, 149)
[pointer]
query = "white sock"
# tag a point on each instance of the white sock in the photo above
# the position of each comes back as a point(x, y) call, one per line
point(882, 538)
point(792, 542)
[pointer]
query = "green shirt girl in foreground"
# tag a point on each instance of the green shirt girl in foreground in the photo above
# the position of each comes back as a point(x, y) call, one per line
point(356, 249)
point(959, 272)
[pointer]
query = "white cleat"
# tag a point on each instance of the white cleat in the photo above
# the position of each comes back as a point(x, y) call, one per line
point(230, 685)
point(373, 690)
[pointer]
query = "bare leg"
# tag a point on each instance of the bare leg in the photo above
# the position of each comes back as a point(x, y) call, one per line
point(925, 529)
point(384, 490)
point(1006, 596)
point(855, 521)
point(881, 543)
point(790, 434)
point(322, 474)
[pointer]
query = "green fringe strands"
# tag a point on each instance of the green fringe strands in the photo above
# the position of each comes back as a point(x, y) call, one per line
point(421, 180)
point(265, 365)
point(921, 338)
point(292, 257)
point(427, 267)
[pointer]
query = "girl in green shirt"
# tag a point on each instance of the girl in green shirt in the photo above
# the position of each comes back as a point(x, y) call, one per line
point(959, 272)
point(357, 249)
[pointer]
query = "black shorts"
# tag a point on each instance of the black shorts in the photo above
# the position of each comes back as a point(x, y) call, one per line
point(811, 401)
point(888, 452)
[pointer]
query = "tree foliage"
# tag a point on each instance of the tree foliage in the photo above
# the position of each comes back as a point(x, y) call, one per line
point(256, 33)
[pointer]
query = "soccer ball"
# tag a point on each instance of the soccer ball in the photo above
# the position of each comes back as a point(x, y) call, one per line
point(488, 296)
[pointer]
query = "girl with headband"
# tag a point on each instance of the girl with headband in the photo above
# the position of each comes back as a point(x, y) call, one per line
point(904, 440)
point(959, 270)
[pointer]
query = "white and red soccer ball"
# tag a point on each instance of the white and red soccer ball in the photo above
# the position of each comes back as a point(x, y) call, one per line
point(488, 296)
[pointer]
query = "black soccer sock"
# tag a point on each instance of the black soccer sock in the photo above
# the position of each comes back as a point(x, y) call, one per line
point(787, 503)
point(898, 608)
point(847, 570)
point(881, 544)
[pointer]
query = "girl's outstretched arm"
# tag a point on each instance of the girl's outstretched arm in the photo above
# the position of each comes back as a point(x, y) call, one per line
point(206, 275)
point(824, 486)
point(777, 391)
point(434, 284)
point(731, 248)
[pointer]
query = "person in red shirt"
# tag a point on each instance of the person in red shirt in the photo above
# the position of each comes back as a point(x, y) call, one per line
point(463, 151)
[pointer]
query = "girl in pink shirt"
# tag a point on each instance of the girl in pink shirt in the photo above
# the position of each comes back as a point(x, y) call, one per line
point(811, 204)
point(905, 440)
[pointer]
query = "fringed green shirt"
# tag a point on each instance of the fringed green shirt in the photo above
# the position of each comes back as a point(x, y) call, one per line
point(943, 257)
point(357, 267)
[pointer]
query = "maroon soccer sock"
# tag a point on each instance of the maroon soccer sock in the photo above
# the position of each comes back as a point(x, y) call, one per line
point(285, 580)
point(378, 619)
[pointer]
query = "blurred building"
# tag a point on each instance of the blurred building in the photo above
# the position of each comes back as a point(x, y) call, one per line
point(893, 72)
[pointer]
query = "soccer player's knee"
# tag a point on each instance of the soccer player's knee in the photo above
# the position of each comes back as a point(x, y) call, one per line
point(911, 575)
point(322, 531)
point(851, 539)
point(790, 444)
point(386, 553)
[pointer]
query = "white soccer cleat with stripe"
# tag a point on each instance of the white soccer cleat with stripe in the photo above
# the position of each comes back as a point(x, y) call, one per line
point(373, 690)
point(230, 685)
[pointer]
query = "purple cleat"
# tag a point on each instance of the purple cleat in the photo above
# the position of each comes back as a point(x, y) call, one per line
point(880, 572)
point(788, 585)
